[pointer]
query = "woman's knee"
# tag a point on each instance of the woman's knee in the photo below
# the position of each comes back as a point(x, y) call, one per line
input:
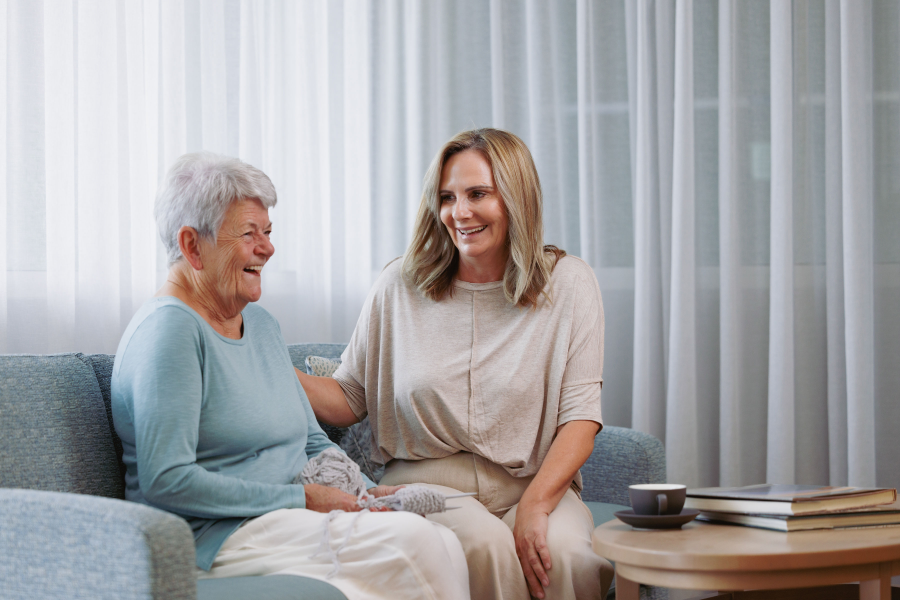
point(569, 531)
point(414, 531)
point(486, 538)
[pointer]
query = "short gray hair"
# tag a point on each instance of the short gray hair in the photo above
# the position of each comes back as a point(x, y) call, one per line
point(197, 191)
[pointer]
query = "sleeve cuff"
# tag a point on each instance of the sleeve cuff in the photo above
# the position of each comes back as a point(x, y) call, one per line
point(354, 393)
point(299, 496)
point(580, 403)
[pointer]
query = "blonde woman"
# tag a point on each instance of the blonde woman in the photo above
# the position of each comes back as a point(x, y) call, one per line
point(478, 360)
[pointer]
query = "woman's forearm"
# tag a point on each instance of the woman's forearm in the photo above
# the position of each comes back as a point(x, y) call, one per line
point(327, 400)
point(573, 445)
point(571, 448)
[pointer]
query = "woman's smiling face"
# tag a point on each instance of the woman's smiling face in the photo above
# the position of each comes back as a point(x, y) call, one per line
point(473, 213)
point(232, 269)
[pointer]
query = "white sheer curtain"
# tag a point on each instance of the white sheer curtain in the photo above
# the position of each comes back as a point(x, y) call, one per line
point(767, 236)
point(730, 169)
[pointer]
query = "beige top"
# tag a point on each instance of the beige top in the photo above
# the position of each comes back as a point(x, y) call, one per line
point(473, 372)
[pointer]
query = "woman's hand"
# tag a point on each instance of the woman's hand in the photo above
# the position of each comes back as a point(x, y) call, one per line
point(380, 492)
point(321, 498)
point(384, 490)
point(572, 446)
point(530, 533)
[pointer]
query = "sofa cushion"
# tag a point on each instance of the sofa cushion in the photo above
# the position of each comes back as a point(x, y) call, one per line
point(299, 352)
point(54, 432)
point(622, 457)
point(603, 512)
point(270, 587)
point(103, 366)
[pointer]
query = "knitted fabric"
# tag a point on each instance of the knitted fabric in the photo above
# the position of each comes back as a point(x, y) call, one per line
point(335, 469)
point(415, 499)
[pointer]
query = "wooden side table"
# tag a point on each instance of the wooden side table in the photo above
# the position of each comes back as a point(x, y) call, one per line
point(703, 556)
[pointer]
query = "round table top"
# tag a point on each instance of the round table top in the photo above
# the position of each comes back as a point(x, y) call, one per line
point(701, 546)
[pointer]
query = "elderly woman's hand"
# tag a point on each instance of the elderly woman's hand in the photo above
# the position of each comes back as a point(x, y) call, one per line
point(321, 498)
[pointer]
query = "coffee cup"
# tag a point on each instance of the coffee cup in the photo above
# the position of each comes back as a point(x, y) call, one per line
point(657, 498)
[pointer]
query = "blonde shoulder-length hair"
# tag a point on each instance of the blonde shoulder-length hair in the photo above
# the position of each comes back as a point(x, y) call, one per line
point(431, 261)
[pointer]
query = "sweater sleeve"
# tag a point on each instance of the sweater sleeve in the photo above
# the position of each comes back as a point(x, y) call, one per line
point(351, 374)
point(162, 371)
point(583, 377)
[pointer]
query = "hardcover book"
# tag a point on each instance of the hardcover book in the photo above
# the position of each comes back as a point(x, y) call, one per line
point(790, 500)
point(887, 515)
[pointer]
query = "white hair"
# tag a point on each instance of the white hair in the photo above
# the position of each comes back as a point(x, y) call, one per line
point(197, 191)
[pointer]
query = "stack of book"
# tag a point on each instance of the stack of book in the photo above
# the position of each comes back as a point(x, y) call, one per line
point(797, 507)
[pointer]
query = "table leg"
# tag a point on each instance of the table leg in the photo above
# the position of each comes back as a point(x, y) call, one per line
point(631, 590)
point(877, 589)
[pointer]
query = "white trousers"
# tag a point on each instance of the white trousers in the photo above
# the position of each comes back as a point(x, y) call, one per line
point(395, 555)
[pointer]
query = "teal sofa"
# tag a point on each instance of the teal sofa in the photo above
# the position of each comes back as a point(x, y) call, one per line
point(67, 532)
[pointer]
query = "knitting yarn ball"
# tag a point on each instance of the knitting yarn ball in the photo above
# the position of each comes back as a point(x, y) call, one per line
point(334, 469)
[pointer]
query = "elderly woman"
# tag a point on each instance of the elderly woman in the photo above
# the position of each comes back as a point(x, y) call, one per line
point(215, 426)
point(478, 361)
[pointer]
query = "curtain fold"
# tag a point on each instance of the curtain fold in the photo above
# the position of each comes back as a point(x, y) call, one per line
point(728, 169)
point(858, 223)
point(649, 408)
point(731, 440)
point(834, 243)
point(682, 417)
point(59, 175)
point(5, 346)
point(781, 404)
point(98, 147)
point(141, 73)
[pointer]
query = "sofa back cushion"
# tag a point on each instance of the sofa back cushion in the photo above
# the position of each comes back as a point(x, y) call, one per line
point(54, 430)
point(103, 366)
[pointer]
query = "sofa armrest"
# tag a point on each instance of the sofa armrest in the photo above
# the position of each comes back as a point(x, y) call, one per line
point(622, 457)
point(58, 545)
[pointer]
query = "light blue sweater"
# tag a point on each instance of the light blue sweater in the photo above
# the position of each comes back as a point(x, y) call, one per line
point(213, 429)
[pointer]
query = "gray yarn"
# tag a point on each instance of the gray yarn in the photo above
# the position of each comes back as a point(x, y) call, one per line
point(414, 499)
point(335, 469)
point(325, 544)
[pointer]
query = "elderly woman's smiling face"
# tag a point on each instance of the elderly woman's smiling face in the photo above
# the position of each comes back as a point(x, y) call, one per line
point(232, 267)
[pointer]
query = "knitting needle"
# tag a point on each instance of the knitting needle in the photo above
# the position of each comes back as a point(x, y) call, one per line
point(456, 496)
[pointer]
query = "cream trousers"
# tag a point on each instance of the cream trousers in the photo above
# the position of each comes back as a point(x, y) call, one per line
point(484, 525)
point(396, 555)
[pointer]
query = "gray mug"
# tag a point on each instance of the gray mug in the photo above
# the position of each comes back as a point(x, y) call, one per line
point(657, 498)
